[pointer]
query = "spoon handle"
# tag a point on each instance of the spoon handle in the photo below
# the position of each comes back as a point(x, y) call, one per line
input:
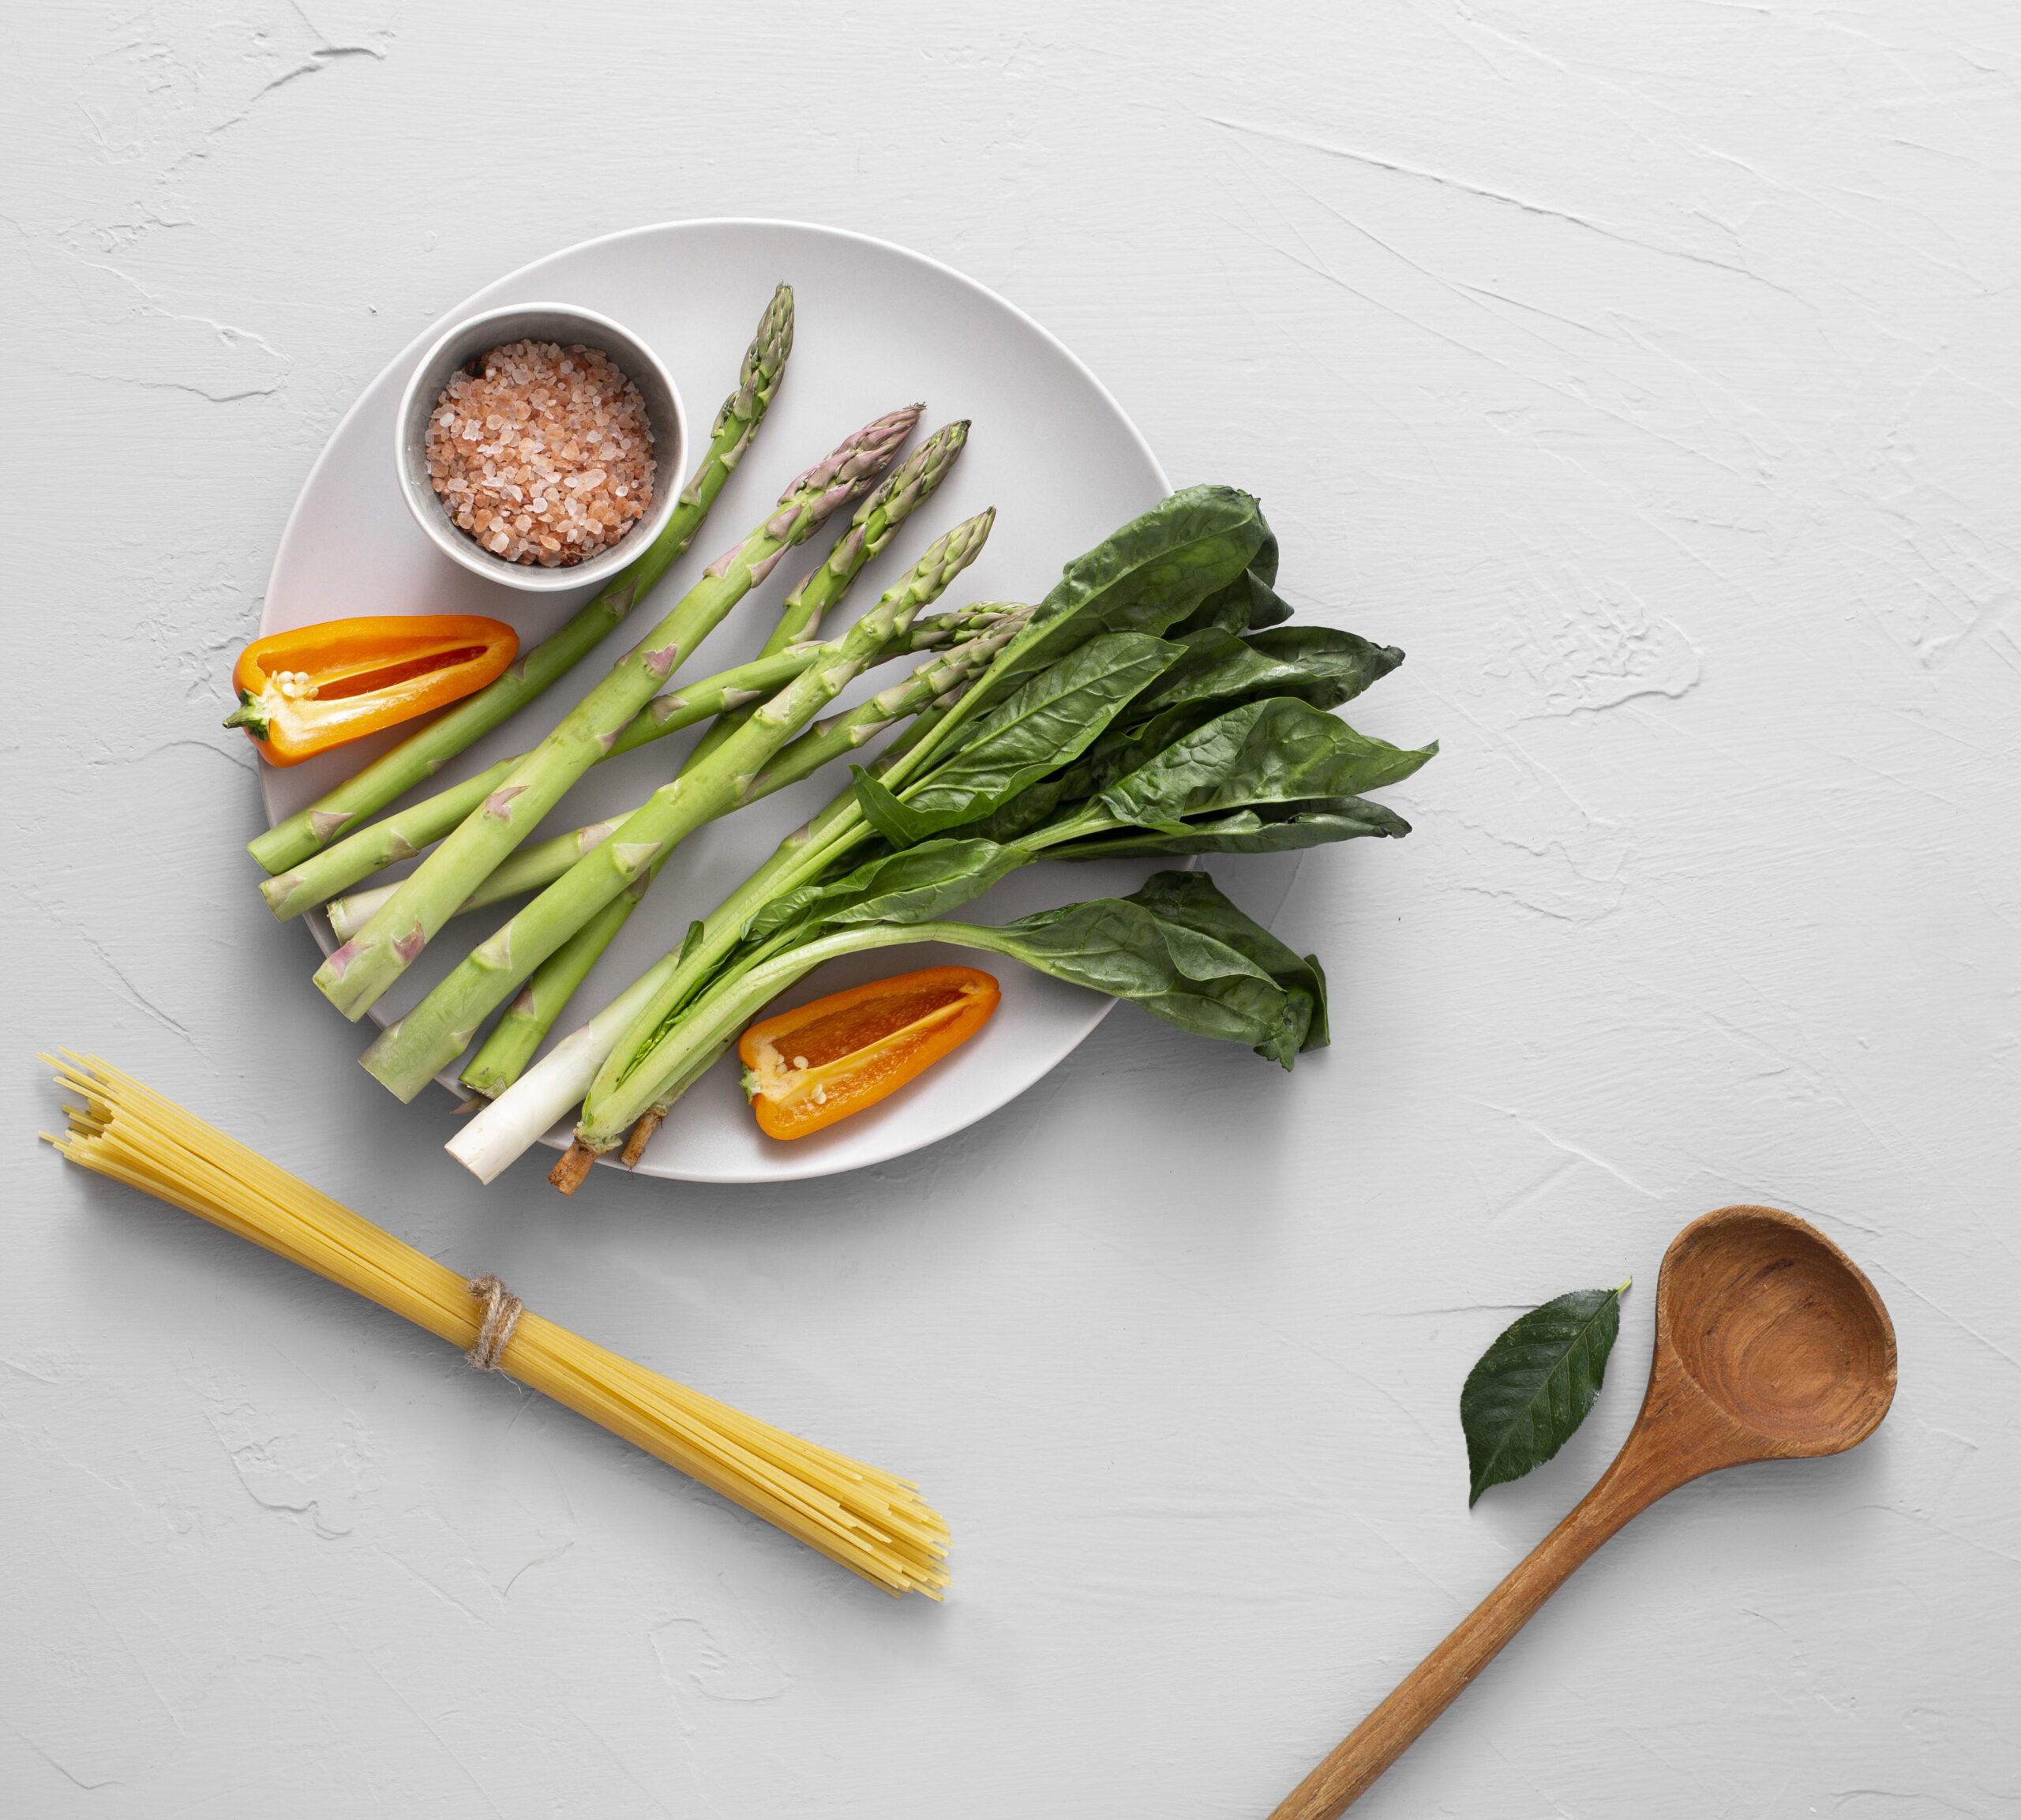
point(1627, 1488)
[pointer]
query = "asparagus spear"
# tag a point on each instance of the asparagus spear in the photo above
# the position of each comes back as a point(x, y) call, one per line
point(528, 1019)
point(519, 1033)
point(533, 867)
point(517, 1120)
point(353, 978)
point(424, 752)
point(506, 1051)
point(408, 1054)
point(403, 835)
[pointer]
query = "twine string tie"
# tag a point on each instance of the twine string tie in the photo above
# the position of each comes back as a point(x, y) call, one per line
point(502, 1310)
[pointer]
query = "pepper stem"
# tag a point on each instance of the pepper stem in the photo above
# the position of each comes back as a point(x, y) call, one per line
point(249, 715)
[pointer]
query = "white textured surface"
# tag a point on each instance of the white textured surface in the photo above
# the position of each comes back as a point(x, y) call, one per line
point(1648, 373)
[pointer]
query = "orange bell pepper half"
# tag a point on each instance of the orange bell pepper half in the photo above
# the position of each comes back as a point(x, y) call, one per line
point(808, 1067)
point(303, 691)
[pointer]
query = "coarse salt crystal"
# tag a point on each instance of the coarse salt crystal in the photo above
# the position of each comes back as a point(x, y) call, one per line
point(543, 454)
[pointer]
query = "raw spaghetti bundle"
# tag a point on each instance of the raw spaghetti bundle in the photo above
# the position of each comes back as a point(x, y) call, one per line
point(873, 1524)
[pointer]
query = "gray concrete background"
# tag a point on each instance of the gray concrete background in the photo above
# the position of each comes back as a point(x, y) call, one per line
point(1649, 376)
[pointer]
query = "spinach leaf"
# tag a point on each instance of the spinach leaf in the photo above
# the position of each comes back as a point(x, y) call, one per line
point(1270, 827)
point(1046, 722)
point(1273, 750)
point(1315, 666)
point(1250, 600)
point(1353, 763)
point(1267, 607)
point(1529, 1392)
point(1145, 577)
point(1314, 663)
point(1192, 899)
point(1031, 809)
point(1183, 952)
point(913, 886)
point(882, 809)
point(1117, 946)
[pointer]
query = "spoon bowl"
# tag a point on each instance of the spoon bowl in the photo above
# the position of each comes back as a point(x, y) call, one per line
point(1779, 1330)
point(1770, 1345)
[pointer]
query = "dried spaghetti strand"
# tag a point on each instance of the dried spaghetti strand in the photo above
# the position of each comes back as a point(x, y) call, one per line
point(870, 1521)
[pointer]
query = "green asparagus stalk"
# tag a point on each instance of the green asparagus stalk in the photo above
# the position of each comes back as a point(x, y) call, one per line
point(359, 972)
point(400, 835)
point(404, 834)
point(408, 1053)
point(557, 1083)
point(534, 867)
point(519, 1033)
point(506, 1051)
point(540, 864)
point(875, 520)
point(424, 752)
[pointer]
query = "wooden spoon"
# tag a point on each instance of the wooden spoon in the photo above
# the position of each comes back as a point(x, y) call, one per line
point(1770, 1346)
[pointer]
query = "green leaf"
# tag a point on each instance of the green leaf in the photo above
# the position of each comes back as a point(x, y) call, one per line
point(913, 886)
point(1192, 899)
point(1248, 602)
point(1178, 948)
point(884, 812)
point(1273, 750)
point(1267, 607)
point(1315, 663)
point(1145, 577)
point(1046, 722)
point(1191, 761)
point(1529, 1392)
point(1030, 809)
point(1269, 828)
point(1116, 946)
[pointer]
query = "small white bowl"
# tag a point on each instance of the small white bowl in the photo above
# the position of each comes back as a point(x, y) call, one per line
point(560, 322)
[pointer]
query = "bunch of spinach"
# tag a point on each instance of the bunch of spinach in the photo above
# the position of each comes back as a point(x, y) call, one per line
point(1144, 711)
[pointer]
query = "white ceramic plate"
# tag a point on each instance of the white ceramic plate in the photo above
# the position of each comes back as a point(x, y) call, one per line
point(876, 327)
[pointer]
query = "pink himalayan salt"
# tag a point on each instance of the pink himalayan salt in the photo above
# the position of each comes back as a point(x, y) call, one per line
point(543, 454)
